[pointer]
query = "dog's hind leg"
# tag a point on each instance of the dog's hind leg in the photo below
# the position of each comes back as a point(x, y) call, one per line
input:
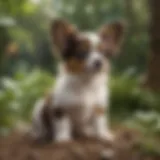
point(41, 128)
point(61, 124)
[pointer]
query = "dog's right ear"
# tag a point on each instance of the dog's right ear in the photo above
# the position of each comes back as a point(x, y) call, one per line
point(112, 36)
point(61, 33)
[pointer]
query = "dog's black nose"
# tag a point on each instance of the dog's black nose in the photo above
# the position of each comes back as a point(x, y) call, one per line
point(98, 64)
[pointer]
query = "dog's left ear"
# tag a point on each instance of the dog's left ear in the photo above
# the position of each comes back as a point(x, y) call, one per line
point(111, 36)
point(63, 34)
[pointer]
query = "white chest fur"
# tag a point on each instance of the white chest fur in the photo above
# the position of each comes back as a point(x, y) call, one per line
point(75, 91)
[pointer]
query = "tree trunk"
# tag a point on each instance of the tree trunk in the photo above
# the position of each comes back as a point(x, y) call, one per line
point(3, 42)
point(153, 75)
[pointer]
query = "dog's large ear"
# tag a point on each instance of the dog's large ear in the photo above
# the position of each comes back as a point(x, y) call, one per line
point(111, 36)
point(61, 33)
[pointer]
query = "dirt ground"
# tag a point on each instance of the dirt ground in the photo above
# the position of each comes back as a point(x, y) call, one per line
point(21, 147)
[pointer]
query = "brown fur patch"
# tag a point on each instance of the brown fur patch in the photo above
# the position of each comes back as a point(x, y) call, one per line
point(76, 62)
point(99, 110)
point(47, 117)
point(58, 112)
point(84, 45)
point(74, 66)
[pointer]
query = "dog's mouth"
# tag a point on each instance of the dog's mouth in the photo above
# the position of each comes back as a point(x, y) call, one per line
point(95, 68)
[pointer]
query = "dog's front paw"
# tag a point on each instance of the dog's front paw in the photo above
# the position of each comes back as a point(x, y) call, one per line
point(62, 138)
point(106, 136)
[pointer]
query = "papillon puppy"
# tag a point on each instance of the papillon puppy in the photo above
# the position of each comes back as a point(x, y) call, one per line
point(78, 103)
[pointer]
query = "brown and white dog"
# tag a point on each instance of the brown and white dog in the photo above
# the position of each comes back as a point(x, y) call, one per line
point(80, 98)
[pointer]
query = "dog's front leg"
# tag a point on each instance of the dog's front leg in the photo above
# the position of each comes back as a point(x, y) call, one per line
point(61, 125)
point(101, 124)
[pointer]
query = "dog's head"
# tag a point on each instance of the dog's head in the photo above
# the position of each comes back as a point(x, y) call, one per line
point(86, 53)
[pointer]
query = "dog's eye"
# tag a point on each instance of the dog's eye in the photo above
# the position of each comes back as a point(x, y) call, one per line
point(81, 55)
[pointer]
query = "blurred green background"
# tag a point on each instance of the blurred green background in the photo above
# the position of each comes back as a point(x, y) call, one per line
point(28, 68)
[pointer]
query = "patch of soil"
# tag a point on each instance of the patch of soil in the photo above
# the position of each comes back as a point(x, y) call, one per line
point(21, 147)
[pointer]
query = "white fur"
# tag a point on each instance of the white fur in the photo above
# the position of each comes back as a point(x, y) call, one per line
point(93, 38)
point(62, 129)
point(38, 129)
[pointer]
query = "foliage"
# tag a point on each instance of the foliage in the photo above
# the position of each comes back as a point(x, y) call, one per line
point(13, 8)
point(146, 122)
point(148, 125)
point(18, 95)
point(127, 97)
point(135, 108)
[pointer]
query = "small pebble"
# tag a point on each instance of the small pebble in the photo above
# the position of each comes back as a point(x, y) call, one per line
point(78, 152)
point(32, 156)
point(107, 154)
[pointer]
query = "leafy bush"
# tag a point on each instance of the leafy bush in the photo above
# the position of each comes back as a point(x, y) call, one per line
point(127, 96)
point(18, 95)
point(148, 125)
point(146, 122)
point(136, 108)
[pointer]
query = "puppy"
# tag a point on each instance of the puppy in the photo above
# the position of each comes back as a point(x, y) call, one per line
point(79, 101)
